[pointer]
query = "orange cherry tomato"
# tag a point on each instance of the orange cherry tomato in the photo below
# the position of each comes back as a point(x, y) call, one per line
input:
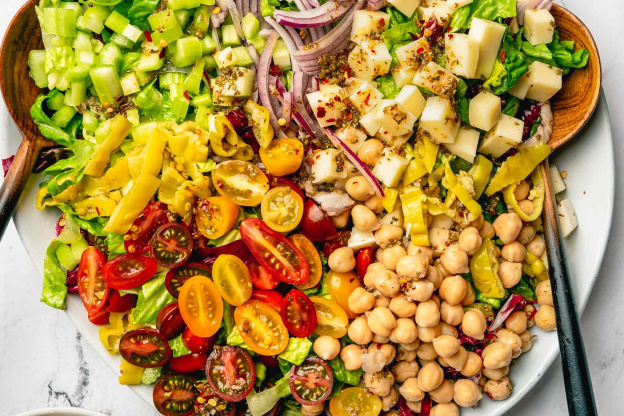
point(241, 182)
point(332, 319)
point(261, 327)
point(232, 278)
point(313, 259)
point(201, 306)
point(340, 286)
point(282, 209)
point(282, 157)
point(355, 401)
point(216, 216)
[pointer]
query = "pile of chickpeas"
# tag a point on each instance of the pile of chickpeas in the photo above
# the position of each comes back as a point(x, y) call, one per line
point(414, 302)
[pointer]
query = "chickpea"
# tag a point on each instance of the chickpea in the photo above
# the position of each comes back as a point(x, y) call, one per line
point(430, 377)
point(507, 227)
point(360, 300)
point(526, 206)
point(414, 250)
point(359, 332)
point(473, 365)
point(474, 324)
point(392, 413)
point(530, 311)
point(527, 341)
point(545, 318)
point(372, 273)
point(411, 346)
point(390, 400)
point(435, 276)
point(470, 240)
point(391, 256)
point(487, 230)
point(341, 221)
point(359, 189)
point(444, 393)
point(374, 204)
point(543, 291)
point(410, 390)
point(436, 299)
point(470, 297)
point(428, 334)
point(516, 322)
point(445, 409)
point(453, 289)
point(381, 321)
point(527, 234)
point(509, 273)
point(380, 340)
point(312, 410)
point(497, 374)
point(420, 290)
point(379, 383)
point(364, 219)
point(381, 301)
point(379, 254)
point(496, 355)
point(352, 356)
point(497, 390)
point(438, 263)
point(451, 314)
point(326, 347)
point(404, 370)
point(426, 351)
point(522, 190)
point(427, 314)
point(387, 283)
point(458, 360)
point(412, 266)
point(537, 246)
point(405, 331)
point(405, 355)
point(402, 307)
point(446, 345)
point(341, 260)
point(388, 235)
point(455, 260)
point(510, 338)
point(466, 393)
point(370, 151)
point(514, 252)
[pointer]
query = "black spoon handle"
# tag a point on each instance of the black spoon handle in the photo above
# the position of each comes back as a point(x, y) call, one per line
point(576, 377)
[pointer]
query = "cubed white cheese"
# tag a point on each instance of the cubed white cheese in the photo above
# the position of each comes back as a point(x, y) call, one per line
point(507, 133)
point(366, 23)
point(352, 84)
point(331, 89)
point(240, 84)
point(489, 36)
point(394, 118)
point(519, 90)
point(461, 54)
point(390, 168)
point(539, 26)
point(440, 239)
point(556, 180)
point(360, 64)
point(440, 120)
point(226, 58)
point(366, 97)
point(465, 145)
point(412, 99)
point(384, 135)
point(379, 57)
point(352, 137)
point(403, 75)
point(438, 9)
point(326, 106)
point(390, 140)
point(407, 53)
point(567, 217)
point(407, 7)
point(327, 166)
point(484, 110)
point(546, 81)
point(370, 123)
point(393, 218)
point(360, 239)
point(453, 5)
point(436, 79)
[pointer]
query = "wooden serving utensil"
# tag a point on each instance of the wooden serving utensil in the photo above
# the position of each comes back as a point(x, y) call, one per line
point(20, 92)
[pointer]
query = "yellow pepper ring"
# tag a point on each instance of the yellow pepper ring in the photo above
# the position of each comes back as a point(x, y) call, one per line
point(537, 189)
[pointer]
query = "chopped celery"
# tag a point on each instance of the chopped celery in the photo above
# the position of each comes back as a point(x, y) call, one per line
point(211, 62)
point(166, 80)
point(63, 116)
point(76, 94)
point(78, 73)
point(165, 27)
point(60, 22)
point(183, 17)
point(144, 77)
point(250, 26)
point(85, 57)
point(133, 33)
point(36, 63)
point(181, 103)
point(59, 59)
point(258, 43)
point(130, 84)
point(208, 45)
point(82, 42)
point(111, 55)
point(93, 19)
point(97, 46)
point(226, 58)
point(133, 116)
point(55, 101)
point(89, 122)
point(193, 81)
point(229, 35)
point(150, 58)
point(188, 51)
point(129, 61)
point(201, 22)
point(204, 100)
point(121, 41)
point(281, 56)
point(117, 22)
point(184, 4)
point(150, 100)
point(243, 58)
point(57, 80)
point(107, 85)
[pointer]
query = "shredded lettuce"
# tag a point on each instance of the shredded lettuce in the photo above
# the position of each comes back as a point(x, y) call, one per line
point(484, 9)
point(151, 375)
point(177, 347)
point(152, 298)
point(557, 53)
point(296, 351)
point(524, 288)
point(261, 403)
point(463, 102)
point(261, 372)
point(387, 86)
point(511, 106)
point(48, 129)
point(400, 33)
point(54, 278)
point(351, 377)
point(508, 70)
point(115, 244)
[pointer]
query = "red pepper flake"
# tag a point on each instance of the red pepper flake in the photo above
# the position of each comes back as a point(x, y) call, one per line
point(381, 23)
point(187, 96)
point(331, 120)
point(420, 50)
point(367, 98)
point(326, 80)
point(275, 71)
point(503, 56)
point(449, 29)
point(373, 51)
point(148, 36)
point(162, 53)
point(451, 36)
point(320, 112)
point(349, 116)
point(97, 209)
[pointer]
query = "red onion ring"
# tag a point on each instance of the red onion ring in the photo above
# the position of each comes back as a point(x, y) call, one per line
point(319, 16)
point(292, 39)
point(263, 82)
point(236, 18)
point(299, 86)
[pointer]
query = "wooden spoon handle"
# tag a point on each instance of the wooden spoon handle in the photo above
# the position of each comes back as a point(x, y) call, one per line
point(16, 179)
point(576, 377)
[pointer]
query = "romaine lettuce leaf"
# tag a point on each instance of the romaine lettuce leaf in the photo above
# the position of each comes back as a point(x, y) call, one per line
point(177, 347)
point(48, 129)
point(388, 87)
point(54, 279)
point(151, 375)
point(484, 9)
point(400, 33)
point(296, 351)
point(351, 377)
point(152, 298)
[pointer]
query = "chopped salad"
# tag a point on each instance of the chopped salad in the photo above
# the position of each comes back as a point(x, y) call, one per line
point(284, 207)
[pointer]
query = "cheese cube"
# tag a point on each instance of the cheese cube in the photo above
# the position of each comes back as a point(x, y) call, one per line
point(539, 26)
point(360, 239)
point(440, 120)
point(326, 168)
point(370, 122)
point(331, 89)
point(412, 99)
point(567, 217)
point(407, 53)
point(360, 64)
point(556, 180)
point(407, 7)
point(390, 140)
point(379, 57)
point(465, 145)
point(366, 97)
point(453, 5)
point(546, 81)
point(461, 54)
point(484, 110)
point(390, 168)
point(393, 218)
point(326, 106)
point(520, 89)
point(394, 118)
point(436, 79)
point(489, 36)
point(438, 9)
point(226, 57)
point(240, 84)
point(506, 134)
point(366, 23)
point(352, 137)
point(403, 75)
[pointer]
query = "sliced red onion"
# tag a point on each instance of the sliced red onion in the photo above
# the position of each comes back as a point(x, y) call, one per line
point(236, 17)
point(361, 166)
point(313, 3)
point(6, 164)
point(376, 4)
point(299, 86)
point(319, 16)
point(263, 82)
point(244, 7)
point(239, 7)
point(288, 105)
point(514, 303)
point(215, 37)
point(216, 20)
point(280, 87)
point(292, 39)
point(266, 32)
point(254, 54)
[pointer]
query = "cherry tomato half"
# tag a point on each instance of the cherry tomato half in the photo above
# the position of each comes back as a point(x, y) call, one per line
point(201, 306)
point(277, 181)
point(261, 278)
point(298, 314)
point(175, 395)
point(169, 321)
point(282, 156)
point(315, 225)
point(270, 297)
point(341, 241)
point(311, 382)
point(197, 344)
point(231, 276)
point(274, 252)
point(208, 403)
point(188, 363)
point(137, 240)
point(128, 271)
point(282, 209)
point(120, 304)
point(313, 259)
point(332, 319)
point(145, 348)
point(92, 288)
point(261, 328)
point(340, 286)
point(176, 277)
point(355, 401)
point(364, 258)
point(230, 373)
point(171, 245)
point(100, 318)
point(243, 183)
point(216, 216)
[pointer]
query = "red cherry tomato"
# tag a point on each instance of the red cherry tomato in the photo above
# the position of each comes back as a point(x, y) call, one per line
point(364, 258)
point(144, 348)
point(120, 304)
point(298, 314)
point(188, 363)
point(128, 271)
point(175, 395)
point(208, 403)
point(100, 318)
point(341, 241)
point(315, 225)
point(274, 252)
point(261, 278)
point(230, 373)
point(311, 382)
point(92, 288)
point(143, 228)
point(176, 277)
point(270, 297)
point(197, 344)
point(279, 181)
point(169, 321)
point(171, 245)
point(270, 361)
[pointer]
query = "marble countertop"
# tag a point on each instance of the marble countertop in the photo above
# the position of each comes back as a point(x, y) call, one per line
point(45, 362)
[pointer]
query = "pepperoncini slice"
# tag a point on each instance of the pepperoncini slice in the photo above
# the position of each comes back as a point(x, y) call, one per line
point(518, 167)
point(260, 123)
point(223, 137)
point(187, 140)
point(121, 127)
point(480, 173)
point(102, 205)
point(536, 265)
point(461, 192)
point(415, 170)
point(130, 374)
point(484, 269)
point(116, 177)
point(414, 206)
point(389, 200)
point(537, 193)
point(118, 324)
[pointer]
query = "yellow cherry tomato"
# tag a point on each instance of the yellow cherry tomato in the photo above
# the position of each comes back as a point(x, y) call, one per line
point(201, 306)
point(282, 156)
point(216, 216)
point(340, 286)
point(232, 278)
point(261, 327)
point(282, 209)
point(241, 182)
point(313, 259)
point(332, 319)
point(355, 401)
